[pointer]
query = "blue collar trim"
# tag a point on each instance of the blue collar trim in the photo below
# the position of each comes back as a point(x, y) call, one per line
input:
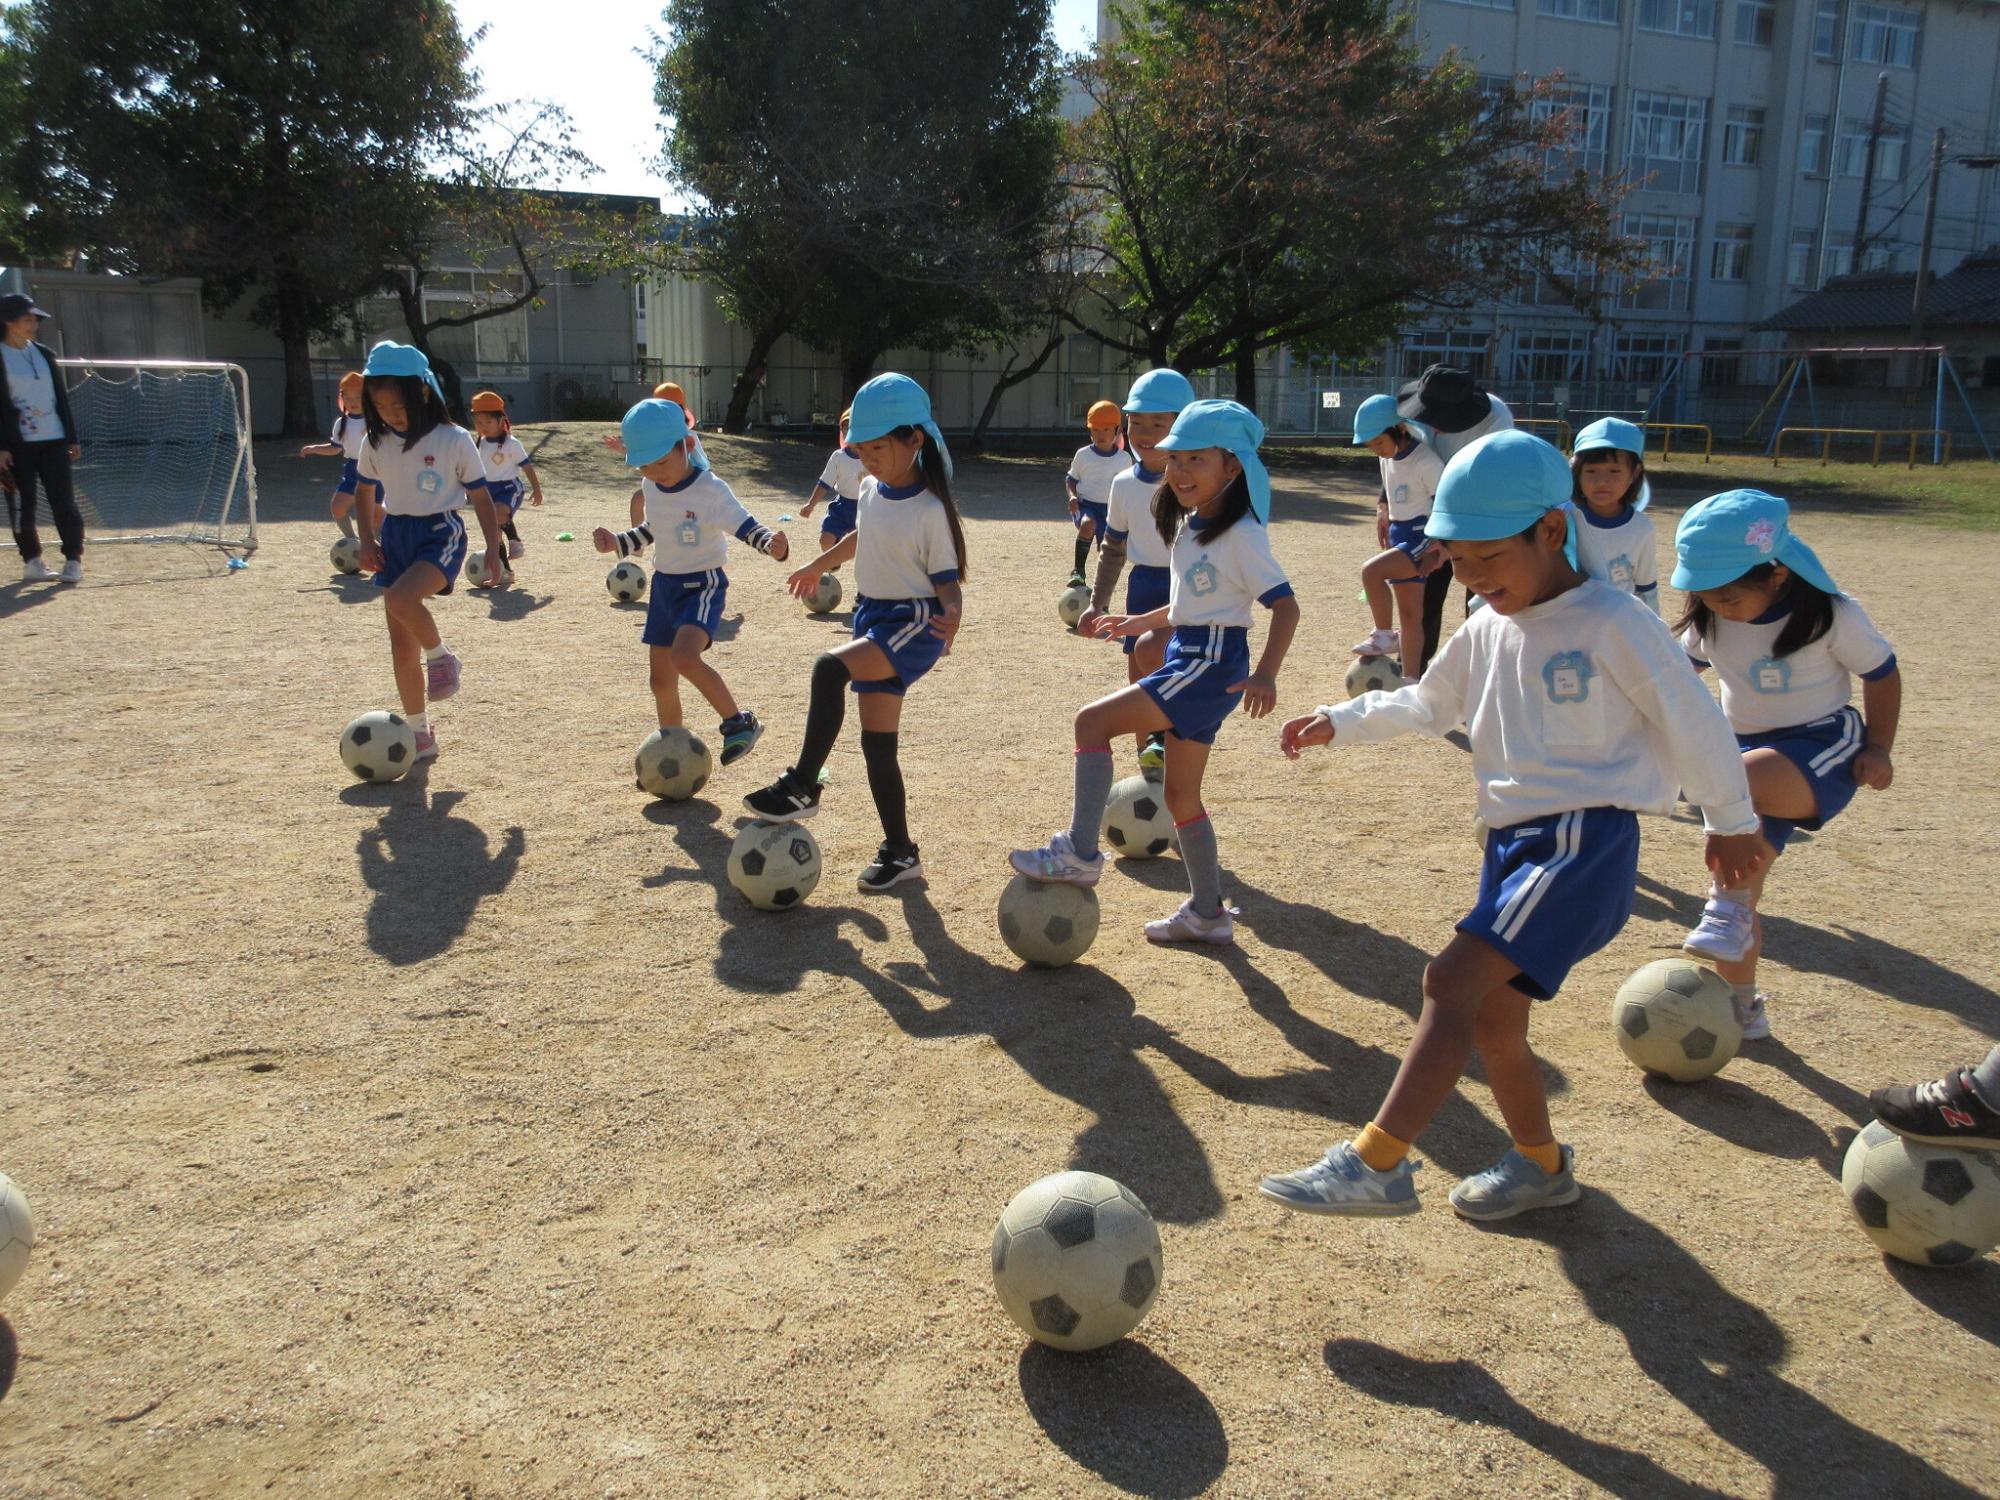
point(899, 492)
point(675, 489)
point(1146, 475)
point(1778, 610)
point(1606, 523)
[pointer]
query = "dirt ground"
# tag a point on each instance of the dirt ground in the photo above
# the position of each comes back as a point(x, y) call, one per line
point(469, 1137)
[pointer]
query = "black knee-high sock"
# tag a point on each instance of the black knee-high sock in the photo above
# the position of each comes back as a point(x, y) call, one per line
point(885, 780)
point(1082, 550)
point(511, 533)
point(824, 711)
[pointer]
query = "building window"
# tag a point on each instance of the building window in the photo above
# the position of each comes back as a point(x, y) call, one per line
point(1670, 254)
point(1729, 256)
point(1695, 18)
point(1542, 289)
point(1721, 362)
point(1826, 29)
point(1603, 11)
point(1742, 136)
point(1878, 257)
point(1589, 108)
point(1643, 358)
point(1668, 142)
point(1486, 4)
point(1546, 358)
point(1799, 259)
point(1754, 22)
point(1462, 348)
point(1839, 256)
point(1812, 147)
point(1884, 34)
point(1892, 148)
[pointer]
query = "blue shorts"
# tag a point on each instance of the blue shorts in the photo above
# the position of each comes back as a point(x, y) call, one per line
point(1554, 891)
point(1193, 686)
point(1407, 537)
point(902, 629)
point(506, 493)
point(1090, 510)
point(1824, 751)
point(678, 599)
point(350, 476)
point(408, 540)
point(1146, 589)
point(839, 518)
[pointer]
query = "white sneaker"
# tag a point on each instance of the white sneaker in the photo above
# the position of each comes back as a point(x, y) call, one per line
point(34, 570)
point(1058, 861)
point(72, 570)
point(1725, 934)
point(1187, 926)
point(1756, 1017)
point(1380, 643)
point(1342, 1183)
point(516, 548)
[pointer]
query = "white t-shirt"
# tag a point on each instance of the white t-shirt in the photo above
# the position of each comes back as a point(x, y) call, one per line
point(843, 473)
point(349, 433)
point(1624, 553)
point(31, 384)
point(430, 478)
point(1584, 701)
point(903, 549)
point(1411, 482)
point(1761, 692)
point(1093, 472)
point(503, 459)
point(1448, 444)
point(1215, 583)
point(1130, 518)
point(693, 522)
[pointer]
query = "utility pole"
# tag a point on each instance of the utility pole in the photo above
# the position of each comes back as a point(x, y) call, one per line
point(1922, 292)
point(1868, 168)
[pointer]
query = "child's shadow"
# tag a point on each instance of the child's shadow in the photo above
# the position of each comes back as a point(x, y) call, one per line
point(428, 869)
point(515, 603)
point(348, 588)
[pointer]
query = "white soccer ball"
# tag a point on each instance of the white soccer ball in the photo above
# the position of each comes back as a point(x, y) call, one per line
point(1928, 1205)
point(774, 866)
point(1136, 821)
point(1076, 1260)
point(346, 554)
point(379, 746)
point(1677, 1019)
point(626, 580)
point(475, 571)
point(1373, 674)
point(673, 764)
point(1072, 602)
point(1047, 922)
point(17, 1234)
point(825, 597)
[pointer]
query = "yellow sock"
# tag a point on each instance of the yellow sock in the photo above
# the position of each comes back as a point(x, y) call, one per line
point(1378, 1148)
point(1548, 1157)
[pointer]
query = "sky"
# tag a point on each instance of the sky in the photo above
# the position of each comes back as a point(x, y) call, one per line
point(590, 62)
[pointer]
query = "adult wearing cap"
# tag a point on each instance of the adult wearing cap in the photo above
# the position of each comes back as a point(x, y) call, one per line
point(38, 441)
point(1458, 413)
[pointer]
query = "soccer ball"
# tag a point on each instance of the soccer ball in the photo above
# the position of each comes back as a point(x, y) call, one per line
point(673, 764)
point(17, 1234)
point(475, 570)
point(1677, 1019)
point(346, 554)
point(1136, 821)
point(379, 746)
point(1373, 674)
point(1047, 922)
point(825, 597)
point(627, 581)
point(1928, 1205)
point(1072, 602)
point(1076, 1260)
point(774, 865)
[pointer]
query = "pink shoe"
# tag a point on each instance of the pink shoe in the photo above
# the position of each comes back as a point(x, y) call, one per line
point(427, 746)
point(441, 676)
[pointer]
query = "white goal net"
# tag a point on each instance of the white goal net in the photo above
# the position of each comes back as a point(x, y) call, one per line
point(166, 451)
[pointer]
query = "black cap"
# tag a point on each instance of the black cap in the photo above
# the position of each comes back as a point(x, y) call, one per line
point(19, 304)
point(1449, 400)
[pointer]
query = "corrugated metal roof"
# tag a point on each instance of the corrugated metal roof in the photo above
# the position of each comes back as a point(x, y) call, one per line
point(1968, 297)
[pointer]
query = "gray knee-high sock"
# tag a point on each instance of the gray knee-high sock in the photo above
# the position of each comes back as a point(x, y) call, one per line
point(1986, 1079)
point(1093, 790)
point(1204, 865)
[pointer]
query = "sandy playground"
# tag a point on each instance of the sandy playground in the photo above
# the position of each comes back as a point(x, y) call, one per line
point(469, 1137)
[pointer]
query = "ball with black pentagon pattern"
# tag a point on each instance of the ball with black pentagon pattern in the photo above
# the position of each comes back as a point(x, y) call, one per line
point(1136, 821)
point(1928, 1205)
point(346, 554)
point(774, 866)
point(1076, 1260)
point(17, 1234)
point(672, 764)
point(626, 581)
point(1676, 1019)
point(825, 597)
point(475, 571)
point(1373, 674)
point(1047, 922)
point(1071, 603)
point(378, 746)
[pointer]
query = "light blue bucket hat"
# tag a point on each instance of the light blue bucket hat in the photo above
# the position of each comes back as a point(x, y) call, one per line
point(653, 429)
point(1160, 391)
point(1374, 417)
point(1500, 486)
point(1620, 436)
point(1233, 427)
point(392, 358)
point(1727, 535)
point(888, 402)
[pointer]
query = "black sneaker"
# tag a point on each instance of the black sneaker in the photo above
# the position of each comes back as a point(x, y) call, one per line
point(739, 734)
point(892, 866)
point(1943, 1112)
point(785, 800)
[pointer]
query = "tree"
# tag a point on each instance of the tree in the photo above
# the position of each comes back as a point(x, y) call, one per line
point(253, 143)
point(1276, 172)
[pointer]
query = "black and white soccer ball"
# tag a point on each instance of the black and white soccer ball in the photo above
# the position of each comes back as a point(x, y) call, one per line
point(774, 866)
point(475, 571)
point(1076, 1260)
point(346, 554)
point(672, 763)
point(1373, 674)
point(1676, 1019)
point(17, 1234)
point(1071, 603)
point(825, 597)
point(1929, 1205)
point(1047, 922)
point(626, 581)
point(1136, 821)
point(379, 746)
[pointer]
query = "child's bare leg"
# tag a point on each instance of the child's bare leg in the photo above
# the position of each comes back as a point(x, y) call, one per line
point(1745, 973)
point(412, 631)
point(1778, 789)
point(1512, 1069)
point(1457, 985)
point(342, 508)
point(1410, 617)
point(665, 681)
point(1377, 574)
point(827, 541)
point(406, 656)
point(690, 641)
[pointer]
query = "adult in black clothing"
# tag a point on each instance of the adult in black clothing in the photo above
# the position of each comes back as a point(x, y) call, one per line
point(1450, 403)
point(38, 441)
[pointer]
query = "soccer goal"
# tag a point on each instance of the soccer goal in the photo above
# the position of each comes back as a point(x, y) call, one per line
point(166, 451)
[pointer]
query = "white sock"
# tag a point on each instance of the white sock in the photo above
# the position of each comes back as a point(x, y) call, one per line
point(1746, 997)
point(432, 653)
point(421, 723)
point(1740, 895)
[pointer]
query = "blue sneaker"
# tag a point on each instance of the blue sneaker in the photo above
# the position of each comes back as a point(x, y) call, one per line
point(1342, 1183)
point(1513, 1185)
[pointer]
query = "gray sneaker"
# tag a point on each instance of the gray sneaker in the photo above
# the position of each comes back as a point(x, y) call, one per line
point(1513, 1185)
point(1342, 1183)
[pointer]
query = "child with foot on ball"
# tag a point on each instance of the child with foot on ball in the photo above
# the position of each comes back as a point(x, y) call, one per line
point(1411, 469)
point(1582, 715)
point(690, 515)
point(1787, 645)
point(422, 467)
point(1088, 481)
point(908, 550)
point(507, 464)
point(1616, 541)
point(1212, 512)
